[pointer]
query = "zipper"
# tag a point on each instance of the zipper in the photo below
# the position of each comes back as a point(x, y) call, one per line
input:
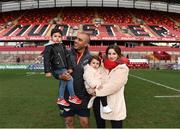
point(60, 55)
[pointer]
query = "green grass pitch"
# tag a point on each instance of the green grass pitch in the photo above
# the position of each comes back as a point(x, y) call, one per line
point(28, 100)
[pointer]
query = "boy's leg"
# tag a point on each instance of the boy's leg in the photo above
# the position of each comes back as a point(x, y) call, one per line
point(61, 99)
point(103, 100)
point(62, 86)
point(73, 98)
point(70, 87)
point(62, 83)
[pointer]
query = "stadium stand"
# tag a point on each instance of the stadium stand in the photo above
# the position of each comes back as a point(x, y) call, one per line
point(83, 15)
point(38, 16)
point(132, 29)
point(115, 15)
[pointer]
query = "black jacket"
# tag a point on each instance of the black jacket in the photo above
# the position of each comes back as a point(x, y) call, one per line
point(56, 57)
point(78, 71)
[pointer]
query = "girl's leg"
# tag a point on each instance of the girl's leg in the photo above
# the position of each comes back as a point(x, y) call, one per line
point(106, 108)
point(96, 109)
point(103, 100)
point(116, 124)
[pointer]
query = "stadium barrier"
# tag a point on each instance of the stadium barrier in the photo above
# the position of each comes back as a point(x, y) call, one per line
point(22, 66)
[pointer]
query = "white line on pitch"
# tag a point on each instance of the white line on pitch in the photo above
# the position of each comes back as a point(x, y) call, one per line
point(33, 73)
point(170, 96)
point(159, 84)
point(30, 73)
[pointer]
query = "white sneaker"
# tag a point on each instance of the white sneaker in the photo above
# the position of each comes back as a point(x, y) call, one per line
point(107, 109)
point(90, 104)
point(66, 109)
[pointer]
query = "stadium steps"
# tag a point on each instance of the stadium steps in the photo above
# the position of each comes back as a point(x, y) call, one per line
point(96, 13)
point(176, 23)
point(147, 30)
point(59, 15)
point(134, 18)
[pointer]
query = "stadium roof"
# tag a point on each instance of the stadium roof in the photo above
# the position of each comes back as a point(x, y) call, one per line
point(167, 1)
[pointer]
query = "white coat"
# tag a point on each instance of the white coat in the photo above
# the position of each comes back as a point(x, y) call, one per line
point(92, 78)
point(113, 84)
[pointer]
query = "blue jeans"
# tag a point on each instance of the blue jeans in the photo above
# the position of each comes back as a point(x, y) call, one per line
point(63, 84)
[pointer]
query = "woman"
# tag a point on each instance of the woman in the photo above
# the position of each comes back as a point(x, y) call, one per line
point(115, 76)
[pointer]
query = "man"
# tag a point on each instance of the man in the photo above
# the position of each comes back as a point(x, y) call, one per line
point(79, 56)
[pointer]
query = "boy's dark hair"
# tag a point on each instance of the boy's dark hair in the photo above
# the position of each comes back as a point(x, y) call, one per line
point(96, 58)
point(56, 30)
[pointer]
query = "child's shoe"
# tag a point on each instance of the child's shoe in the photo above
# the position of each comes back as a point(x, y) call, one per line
point(74, 99)
point(62, 102)
point(107, 109)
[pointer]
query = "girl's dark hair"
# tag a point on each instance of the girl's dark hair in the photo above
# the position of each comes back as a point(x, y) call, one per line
point(96, 58)
point(56, 30)
point(116, 48)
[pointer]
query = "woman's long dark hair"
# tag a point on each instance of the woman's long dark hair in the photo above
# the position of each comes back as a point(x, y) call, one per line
point(116, 48)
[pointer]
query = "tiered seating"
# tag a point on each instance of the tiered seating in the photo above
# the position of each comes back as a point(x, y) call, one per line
point(163, 28)
point(115, 15)
point(42, 16)
point(177, 19)
point(153, 17)
point(156, 18)
point(74, 15)
point(7, 18)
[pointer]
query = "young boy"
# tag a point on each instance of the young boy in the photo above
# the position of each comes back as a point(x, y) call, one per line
point(93, 77)
point(57, 62)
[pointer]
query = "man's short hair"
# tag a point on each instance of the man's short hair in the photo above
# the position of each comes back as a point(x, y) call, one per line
point(87, 35)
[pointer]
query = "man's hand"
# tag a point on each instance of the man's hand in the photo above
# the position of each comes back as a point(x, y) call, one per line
point(48, 74)
point(65, 76)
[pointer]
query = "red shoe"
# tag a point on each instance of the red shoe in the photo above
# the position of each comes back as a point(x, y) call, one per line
point(62, 102)
point(74, 99)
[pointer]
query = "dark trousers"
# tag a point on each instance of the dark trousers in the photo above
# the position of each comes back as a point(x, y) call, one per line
point(101, 122)
point(103, 100)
